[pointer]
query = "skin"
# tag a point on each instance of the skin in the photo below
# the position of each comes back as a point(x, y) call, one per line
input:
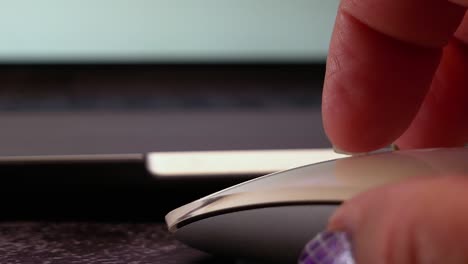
point(397, 72)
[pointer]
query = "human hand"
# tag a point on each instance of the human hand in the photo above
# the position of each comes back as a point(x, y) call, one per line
point(397, 72)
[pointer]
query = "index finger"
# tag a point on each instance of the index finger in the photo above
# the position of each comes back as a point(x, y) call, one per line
point(383, 55)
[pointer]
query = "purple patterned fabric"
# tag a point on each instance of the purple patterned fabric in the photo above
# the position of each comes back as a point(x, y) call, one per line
point(328, 248)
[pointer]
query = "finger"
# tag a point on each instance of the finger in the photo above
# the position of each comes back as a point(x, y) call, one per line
point(419, 222)
point(441, 120)
point(381, 61)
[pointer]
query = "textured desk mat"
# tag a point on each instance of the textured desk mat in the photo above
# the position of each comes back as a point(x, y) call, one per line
point(100, 243)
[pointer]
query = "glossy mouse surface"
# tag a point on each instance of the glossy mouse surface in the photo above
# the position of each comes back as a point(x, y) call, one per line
point(272, 217)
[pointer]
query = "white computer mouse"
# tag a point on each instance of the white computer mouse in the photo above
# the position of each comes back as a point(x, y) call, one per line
point(272, 217)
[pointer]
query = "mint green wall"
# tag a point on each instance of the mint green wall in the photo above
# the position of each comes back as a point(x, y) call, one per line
point(165, 29)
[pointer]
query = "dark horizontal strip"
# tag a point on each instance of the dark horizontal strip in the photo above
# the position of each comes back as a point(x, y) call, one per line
point(159, 87)
point(193, 219)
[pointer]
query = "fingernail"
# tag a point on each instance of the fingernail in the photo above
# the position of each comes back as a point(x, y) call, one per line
point(392, 147)
point(328, 248)
point(340, 151)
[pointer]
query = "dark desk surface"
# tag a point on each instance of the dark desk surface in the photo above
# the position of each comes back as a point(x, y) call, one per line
point(100, 243)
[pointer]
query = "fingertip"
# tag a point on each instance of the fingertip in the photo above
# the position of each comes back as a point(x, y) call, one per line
point(335, 222)
point(373, 87)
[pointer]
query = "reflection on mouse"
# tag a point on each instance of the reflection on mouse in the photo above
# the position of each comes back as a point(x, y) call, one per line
point(272, 217)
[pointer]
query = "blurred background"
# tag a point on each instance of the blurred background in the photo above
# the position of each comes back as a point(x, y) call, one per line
point(134, 76)
point(121, 78)
point(112, 80)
